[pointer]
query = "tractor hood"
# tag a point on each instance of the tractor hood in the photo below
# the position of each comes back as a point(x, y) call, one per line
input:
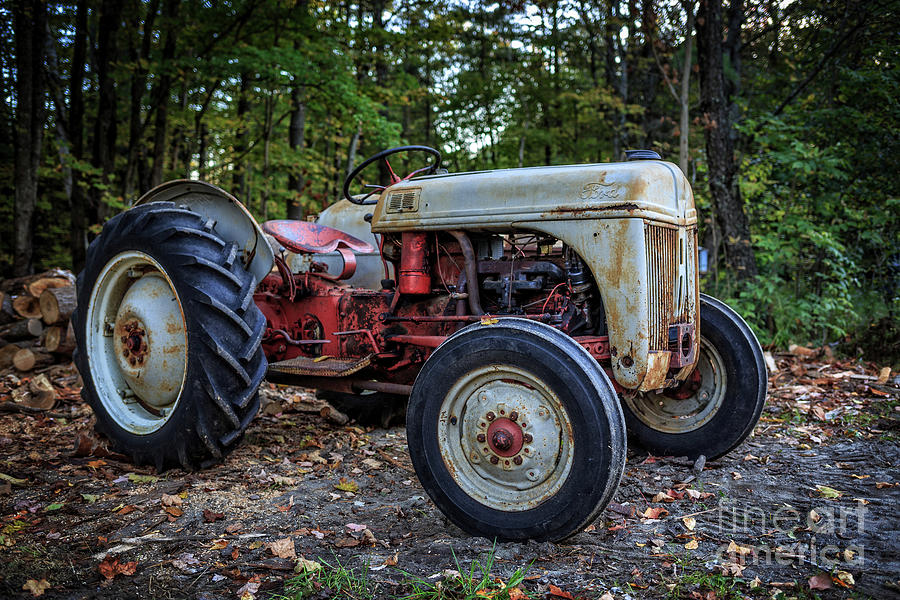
point(498, 200)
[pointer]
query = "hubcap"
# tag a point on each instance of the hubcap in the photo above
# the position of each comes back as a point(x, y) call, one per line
point(692, 404)
point(137, 342)
point(505, 438)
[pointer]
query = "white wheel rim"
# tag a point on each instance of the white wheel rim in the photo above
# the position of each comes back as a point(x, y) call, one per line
point(499, 399)
point(136, 341)
point(673, 415)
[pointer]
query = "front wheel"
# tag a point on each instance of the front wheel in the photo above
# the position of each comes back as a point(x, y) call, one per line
point(718, 406)
point(515, 432)
point(168, 337)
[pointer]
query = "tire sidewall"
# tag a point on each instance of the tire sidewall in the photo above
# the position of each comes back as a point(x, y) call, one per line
point(594, 457)
point(180, 422)
point(743, 399)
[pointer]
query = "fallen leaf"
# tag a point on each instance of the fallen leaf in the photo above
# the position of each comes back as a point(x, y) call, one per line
point(555, 591)
point(391, 561)
point(89, 498)
point(516, 594)
point(663, 497)
point(135, 478)
point(821, 581)
point(884, 375)
point(248, 590)
point(347, 485)
point(655, 512)
point(37, 588)
point(220, 544)
point(735, 475)
point(55, 506)
point(883, 484)
point(306, 566)
point(13, 480)
point(736, 549)
point(185, 562)
point(110, 567)
point(355, 527)
point(173, 511)
point(210, 516)
point(689, 522)
point(283, 548)
point(691, 545)
point(171, 500)
point(347, 542)
point(827, 492)
point(843, 579)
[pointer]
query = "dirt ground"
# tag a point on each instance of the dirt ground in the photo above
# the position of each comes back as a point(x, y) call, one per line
point(806, 508)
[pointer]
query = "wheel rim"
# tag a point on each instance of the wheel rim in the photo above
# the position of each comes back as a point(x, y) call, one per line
point(677, 412)
point(505, 438)
point(136, 341)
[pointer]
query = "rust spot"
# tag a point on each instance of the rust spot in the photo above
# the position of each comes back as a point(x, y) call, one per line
point(627, 361)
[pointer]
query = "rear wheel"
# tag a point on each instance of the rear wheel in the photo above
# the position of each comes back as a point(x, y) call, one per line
point(719, 404)
point(168, 337)
point(515, 432)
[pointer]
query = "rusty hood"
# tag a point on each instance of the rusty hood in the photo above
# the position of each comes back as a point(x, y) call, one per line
point(498, 200)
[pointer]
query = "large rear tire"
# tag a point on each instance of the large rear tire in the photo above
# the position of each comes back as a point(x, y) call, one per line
point(515, 432)
point(719, 405)
point(168, 337)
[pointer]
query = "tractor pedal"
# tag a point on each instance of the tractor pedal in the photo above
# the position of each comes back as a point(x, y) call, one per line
point(317, 367)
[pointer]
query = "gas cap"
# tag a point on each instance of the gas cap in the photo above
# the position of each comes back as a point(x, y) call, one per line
point(642, 155)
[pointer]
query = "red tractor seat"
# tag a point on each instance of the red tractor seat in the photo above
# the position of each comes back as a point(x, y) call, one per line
point(311, 238)
point(303, 237)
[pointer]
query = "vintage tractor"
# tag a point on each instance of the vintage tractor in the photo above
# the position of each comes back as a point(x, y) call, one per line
point(530, 315)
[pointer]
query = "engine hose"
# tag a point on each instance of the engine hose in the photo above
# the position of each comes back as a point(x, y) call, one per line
point(471, 271)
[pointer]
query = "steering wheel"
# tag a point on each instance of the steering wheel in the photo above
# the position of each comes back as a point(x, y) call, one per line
point(383, 155)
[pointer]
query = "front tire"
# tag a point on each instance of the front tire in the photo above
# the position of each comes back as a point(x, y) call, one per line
point(168, 337)
point(719, 405)
point(515, 432)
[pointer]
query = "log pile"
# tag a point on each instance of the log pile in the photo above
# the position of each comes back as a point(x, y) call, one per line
point(35, 332)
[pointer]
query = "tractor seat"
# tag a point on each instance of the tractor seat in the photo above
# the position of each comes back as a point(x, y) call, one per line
point(303, 237)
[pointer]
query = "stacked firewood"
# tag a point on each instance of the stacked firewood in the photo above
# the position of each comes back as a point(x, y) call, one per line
point(35, 331)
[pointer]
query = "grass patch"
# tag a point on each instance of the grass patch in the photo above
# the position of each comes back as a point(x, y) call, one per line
point(469, 584)
point(332, 581)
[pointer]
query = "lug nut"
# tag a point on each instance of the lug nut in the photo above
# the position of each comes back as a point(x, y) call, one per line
point(494, 460)
point(517, 460)
point(453, 420)
point(490, 416)
point(514, 416)
point(527, 438)
point(481, 438)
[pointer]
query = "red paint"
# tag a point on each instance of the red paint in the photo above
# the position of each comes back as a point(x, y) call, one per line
point(414, 277)
point(505, 437)
point(306, 237)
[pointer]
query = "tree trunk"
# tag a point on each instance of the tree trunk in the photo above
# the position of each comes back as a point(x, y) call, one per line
point(238, 173)
point(105, 130)
point(685, 123)
point(78, 224)
point(162, 92)
point(30, 27)
point(296, 130)
point(57, 304)
point(138, 86)
point(714, 104)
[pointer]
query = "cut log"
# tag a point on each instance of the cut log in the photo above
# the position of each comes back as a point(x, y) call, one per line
point(43, 395)
point(22, 330)
point(6, 355)
point(60, 339)
point(19, 285)
point(57, 304)
point(36, 288)
point(27, 306)
point(26, 360)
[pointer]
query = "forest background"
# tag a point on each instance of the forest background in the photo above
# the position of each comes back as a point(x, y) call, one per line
point(785, 116)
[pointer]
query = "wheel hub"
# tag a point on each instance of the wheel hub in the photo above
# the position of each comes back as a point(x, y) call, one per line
point(507, 439)
point(150, 340)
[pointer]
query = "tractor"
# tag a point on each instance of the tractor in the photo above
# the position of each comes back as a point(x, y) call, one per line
point(532, 316)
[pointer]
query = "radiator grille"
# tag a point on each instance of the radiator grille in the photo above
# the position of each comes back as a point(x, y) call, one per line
point(403, 201)
point(671, 252)
point(661, 244)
